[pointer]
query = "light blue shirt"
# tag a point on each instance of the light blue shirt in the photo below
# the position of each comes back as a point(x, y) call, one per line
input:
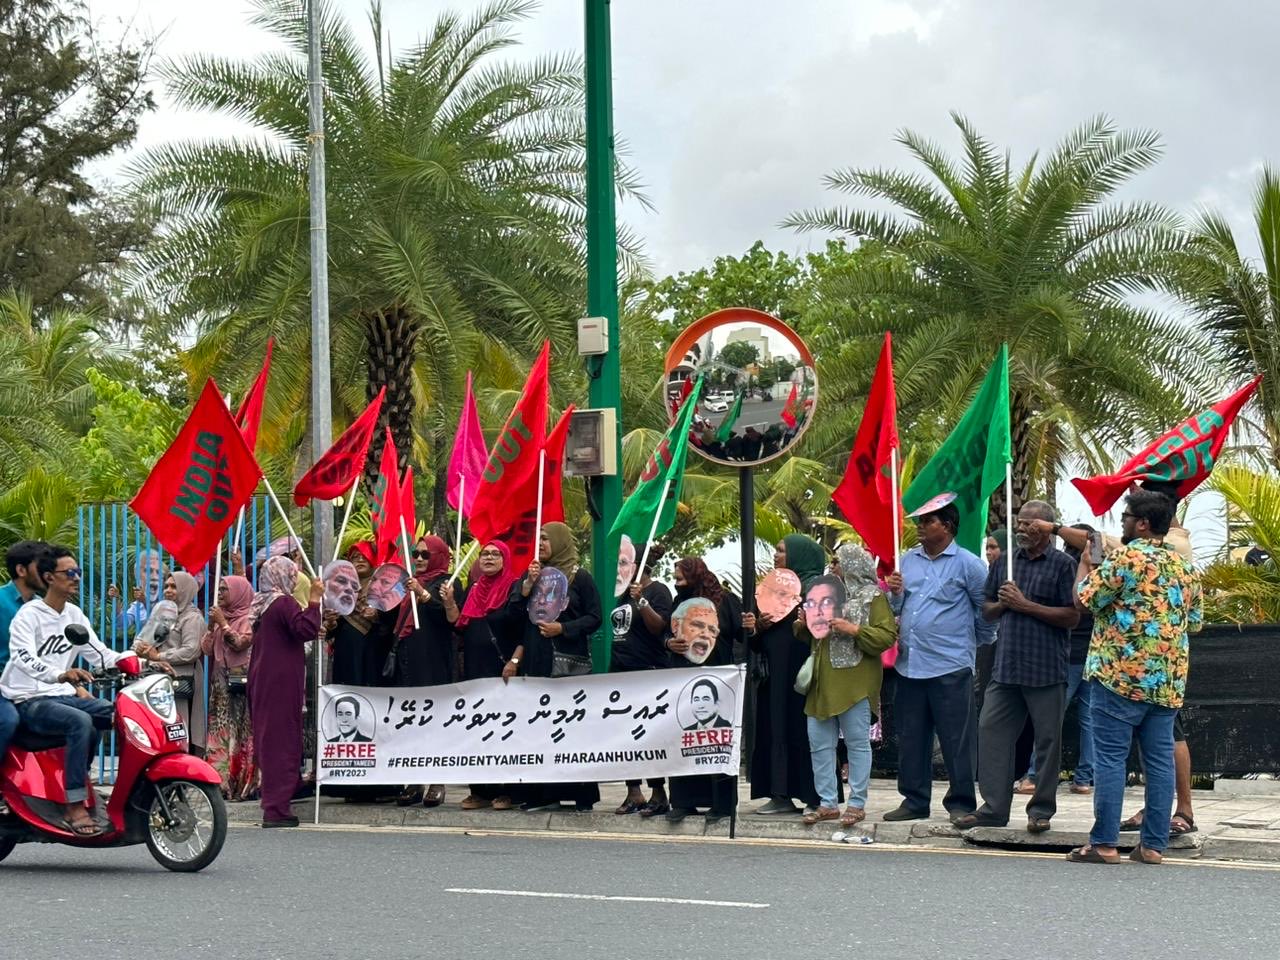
point(940, 610)
point(10, 601)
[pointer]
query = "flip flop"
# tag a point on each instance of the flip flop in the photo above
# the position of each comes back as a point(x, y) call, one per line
point(1139, 855)
point(1133, 823)
point(84, 828)
point(1188, 825)
point(1091, 855)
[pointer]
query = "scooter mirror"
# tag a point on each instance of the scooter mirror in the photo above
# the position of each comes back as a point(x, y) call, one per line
point(76, 635)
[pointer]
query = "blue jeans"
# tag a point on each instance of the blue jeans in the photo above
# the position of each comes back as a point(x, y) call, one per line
point(823, 734)
point(1077, 690)
point(78, 721)
point(8, 724)
point(1115, 721)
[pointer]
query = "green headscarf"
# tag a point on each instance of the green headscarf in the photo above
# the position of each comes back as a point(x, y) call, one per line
point(805, 557)
point(564, 548)
point(1001, 536)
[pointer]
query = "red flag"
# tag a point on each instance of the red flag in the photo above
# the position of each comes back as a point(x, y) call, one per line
point(469, 456)
point(200, 483)
point(865, 495)
point(334, 473)
point(678, 402)
point(249, 415)
point(508, 485)
point(1185, 455)
point(789, 408)
point(552, 502)
point(408, 509)
point(386, 502)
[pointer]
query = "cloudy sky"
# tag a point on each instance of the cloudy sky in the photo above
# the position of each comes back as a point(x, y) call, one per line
point(734, 110)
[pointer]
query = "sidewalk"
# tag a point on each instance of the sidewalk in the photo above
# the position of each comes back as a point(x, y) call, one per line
point(1238, 820)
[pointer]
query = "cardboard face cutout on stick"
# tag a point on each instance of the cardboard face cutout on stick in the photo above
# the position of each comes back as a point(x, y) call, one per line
point(387, 587)
point(777, 594)
point(550, 596)
point(626, 566)
point(341, 587)
point(825, 599)
point(697, 621)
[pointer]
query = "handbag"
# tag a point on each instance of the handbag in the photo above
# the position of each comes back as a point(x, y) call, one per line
point(237, 680)
point(569, 664)
point(389, 665)
point(184, 687)
point(804, 679)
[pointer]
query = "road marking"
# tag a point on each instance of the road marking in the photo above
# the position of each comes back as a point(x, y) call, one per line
point(600, 896)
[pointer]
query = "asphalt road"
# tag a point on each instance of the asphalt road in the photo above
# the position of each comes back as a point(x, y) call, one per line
point(368, 892)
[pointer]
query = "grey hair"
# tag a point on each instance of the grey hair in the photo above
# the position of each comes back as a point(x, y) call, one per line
point(1042, 510)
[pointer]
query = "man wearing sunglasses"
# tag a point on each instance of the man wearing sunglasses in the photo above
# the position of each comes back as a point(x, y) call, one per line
point(41, 681)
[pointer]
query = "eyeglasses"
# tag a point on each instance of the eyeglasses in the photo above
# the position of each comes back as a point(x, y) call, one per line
point(826, 603)
point(1128, 516)
point(491, 554)
point(71, 573)
point(421, 554)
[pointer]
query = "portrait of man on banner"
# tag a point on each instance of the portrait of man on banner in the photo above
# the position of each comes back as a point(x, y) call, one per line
point(349, 719)
point(705, 705)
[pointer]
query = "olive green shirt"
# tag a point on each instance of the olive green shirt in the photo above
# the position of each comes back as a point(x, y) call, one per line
point(835, 690)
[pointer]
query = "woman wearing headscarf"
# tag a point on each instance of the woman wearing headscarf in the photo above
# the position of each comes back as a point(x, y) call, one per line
point(569, 633)
point(358, 641)
point(780, 767)
point(178, 644)
point(716, 792)
point(490, 635)
point(227, 644)
point(847, 624)
point(277, 673)
point(424, 655)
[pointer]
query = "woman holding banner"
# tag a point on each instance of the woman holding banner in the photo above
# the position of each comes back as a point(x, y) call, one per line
point(569, 633)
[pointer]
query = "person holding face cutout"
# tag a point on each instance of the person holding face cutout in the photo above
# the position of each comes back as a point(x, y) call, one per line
point(847, 623)
point(780, 768)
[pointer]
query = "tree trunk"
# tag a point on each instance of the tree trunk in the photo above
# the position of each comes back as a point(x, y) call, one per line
point(393, 337)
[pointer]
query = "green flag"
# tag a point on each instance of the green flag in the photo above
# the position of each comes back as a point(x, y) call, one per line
point(730, 418)
point(971, 461)
point(651, 508)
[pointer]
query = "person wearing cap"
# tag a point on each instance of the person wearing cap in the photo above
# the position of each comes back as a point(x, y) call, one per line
point(938, 596)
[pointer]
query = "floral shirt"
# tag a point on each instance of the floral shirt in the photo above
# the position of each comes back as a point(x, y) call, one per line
point(1145, 599)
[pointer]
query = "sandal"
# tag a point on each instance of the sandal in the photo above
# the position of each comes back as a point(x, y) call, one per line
point(1133, 823)
point(1141, 854)
point(822, 813)
point(652, 809)
point(472, 802)
point(852, 815)
point(503, 803)
point(409, 797)
point(88, 827)
point(1088, 854)
point(433, 797)
point(1181, 823)
point(629, 807)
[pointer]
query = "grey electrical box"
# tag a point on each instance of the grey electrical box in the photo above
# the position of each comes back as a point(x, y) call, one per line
point(591, 449)
point(593, 336)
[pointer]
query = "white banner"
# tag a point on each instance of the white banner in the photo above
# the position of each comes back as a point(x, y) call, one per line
point(614, 726)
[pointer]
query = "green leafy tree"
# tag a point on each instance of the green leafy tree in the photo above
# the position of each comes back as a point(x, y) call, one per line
point(980, 252)
point(759, 279)
point(67, 101)
point(455, 176)
point(739, 354)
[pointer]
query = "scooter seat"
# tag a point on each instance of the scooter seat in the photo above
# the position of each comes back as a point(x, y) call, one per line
point(26, 740)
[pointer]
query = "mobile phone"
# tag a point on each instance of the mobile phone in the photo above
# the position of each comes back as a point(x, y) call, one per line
point(1095, 548)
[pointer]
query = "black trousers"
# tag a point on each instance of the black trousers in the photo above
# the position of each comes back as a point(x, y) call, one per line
point(943, 707)
point(1005, 713)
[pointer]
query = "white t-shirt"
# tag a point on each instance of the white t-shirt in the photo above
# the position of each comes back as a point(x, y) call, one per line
point(39, 651)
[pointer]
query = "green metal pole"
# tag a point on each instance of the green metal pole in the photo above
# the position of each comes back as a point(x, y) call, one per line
point(605, 493)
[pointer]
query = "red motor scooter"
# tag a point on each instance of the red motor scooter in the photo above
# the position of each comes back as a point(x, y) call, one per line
point(163, 796)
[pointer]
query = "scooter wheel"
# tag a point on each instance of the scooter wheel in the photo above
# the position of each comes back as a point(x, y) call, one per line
point(199, 828)
point(6, 847)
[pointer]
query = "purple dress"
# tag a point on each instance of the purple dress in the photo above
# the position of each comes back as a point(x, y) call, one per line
point(277, 675)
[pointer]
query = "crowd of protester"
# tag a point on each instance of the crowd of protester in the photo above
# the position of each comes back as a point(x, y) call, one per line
point(984, 665)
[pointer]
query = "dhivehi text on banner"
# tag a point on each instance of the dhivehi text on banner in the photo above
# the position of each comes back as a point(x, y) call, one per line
point(620, 726)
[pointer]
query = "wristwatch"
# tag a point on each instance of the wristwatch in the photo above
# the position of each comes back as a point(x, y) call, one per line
point(1057, 528)
point(515, 661)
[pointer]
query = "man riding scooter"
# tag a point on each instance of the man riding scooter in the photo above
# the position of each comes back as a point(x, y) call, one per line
point(40, 681)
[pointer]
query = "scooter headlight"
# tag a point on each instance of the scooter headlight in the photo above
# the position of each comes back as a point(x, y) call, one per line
point(160, 699)
point(137, 734)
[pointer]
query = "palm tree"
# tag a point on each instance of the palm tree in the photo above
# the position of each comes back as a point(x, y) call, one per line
point(1040, 257)
point(1236, 592)
point(1239, 298)
point(455, 212)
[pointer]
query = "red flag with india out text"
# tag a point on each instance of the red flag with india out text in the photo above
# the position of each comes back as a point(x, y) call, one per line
point(336, 472)
point(197, 487)
point(386, 508)
point(1185, 455)
point(505, 504)
point(249, 413)
point(865, 494)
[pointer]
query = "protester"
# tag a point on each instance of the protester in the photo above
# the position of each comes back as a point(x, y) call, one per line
point(491, 633)
point(780, 769)
point(360, 641)
point(985, 656)
point(24, 584)
point(694, 579)
point(424, 655)
point(228, 644)
point(847, 623)
point(178, 644)
point(148, 589)
point(938, 597)
point(569, 633)
point(639, 624)
point(1145, 599)
point(277, 673)
point(1036, 611)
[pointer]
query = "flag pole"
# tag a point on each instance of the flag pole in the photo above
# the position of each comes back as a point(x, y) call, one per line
point(289, 526)
point(346, 515)
point(462, 564)
point(893, 494)
point(408, 564)
point(653, 527)
point(1008, 519)
point(462, 506)
point(542, 479)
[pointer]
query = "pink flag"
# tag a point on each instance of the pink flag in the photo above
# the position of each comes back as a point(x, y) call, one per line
point(469, 454)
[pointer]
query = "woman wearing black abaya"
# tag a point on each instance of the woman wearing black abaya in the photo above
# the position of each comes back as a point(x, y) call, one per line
point(780, 766)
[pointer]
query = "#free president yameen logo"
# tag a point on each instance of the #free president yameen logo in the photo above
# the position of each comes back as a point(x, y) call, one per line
point(348, 728)
point(705, 710)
